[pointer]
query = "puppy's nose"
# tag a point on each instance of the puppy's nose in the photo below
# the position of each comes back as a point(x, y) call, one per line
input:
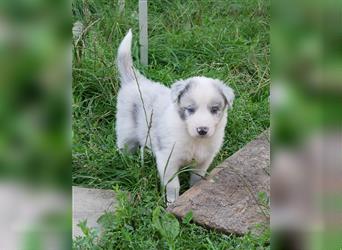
point(202, 130)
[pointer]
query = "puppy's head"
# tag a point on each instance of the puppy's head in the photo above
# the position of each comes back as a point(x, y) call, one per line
point(201, 103)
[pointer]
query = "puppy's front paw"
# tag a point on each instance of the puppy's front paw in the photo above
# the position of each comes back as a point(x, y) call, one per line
point(171, 195)
point(168, 203)
point(170, 199)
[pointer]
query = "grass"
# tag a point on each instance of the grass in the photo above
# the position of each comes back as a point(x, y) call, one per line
point(228, 40)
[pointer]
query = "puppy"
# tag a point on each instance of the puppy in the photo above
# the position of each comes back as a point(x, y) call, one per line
point(180, 124)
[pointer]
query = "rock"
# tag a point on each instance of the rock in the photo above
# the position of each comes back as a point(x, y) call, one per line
point(89, 204)
point(228, 199)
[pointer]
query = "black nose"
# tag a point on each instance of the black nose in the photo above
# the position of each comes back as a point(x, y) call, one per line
point(202, 130)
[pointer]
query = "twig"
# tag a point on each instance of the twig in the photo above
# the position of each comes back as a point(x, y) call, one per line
point(140, 94)
point(149, 129)
point(147, 136)
point(184, 170)
point(168, 159)
point(166, 165)
point(86, 30)
point(149, 125)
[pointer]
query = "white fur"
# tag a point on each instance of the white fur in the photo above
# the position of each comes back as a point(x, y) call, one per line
point(174, 136)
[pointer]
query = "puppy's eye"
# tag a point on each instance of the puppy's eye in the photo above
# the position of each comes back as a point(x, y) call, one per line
point(190, 110)
point(214, 110)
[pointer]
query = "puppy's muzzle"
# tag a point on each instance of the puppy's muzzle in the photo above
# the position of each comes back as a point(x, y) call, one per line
point(202, 131)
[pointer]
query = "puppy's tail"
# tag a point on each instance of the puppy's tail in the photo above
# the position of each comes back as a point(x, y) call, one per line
point(124, 60)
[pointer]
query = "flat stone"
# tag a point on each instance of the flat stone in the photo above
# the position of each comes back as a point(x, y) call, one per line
point(89, 204)
point(227, 200)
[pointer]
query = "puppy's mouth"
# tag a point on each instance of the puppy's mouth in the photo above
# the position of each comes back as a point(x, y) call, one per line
point(202, 136)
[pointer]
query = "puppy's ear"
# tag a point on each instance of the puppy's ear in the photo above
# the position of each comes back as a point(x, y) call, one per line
point(227, 93)
point(178, 89)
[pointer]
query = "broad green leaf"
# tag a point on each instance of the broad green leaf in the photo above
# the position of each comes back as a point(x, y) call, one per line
point(188, 217)
point(156, 219)
point(170, 225)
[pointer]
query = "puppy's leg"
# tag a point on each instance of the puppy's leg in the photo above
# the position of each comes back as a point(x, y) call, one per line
point(200, 171)
point(169, 179)
point(172, 188)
